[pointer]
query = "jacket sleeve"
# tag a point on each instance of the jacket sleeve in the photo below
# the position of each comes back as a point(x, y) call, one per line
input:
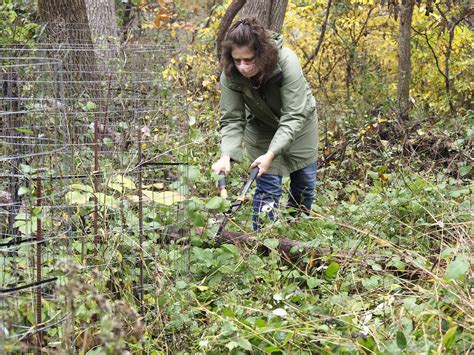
point(232, 121)
point(297, 103)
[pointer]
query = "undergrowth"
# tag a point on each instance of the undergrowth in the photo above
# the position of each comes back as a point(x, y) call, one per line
point(404, 285)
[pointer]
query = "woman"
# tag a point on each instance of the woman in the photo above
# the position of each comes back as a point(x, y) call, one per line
point(267, 104)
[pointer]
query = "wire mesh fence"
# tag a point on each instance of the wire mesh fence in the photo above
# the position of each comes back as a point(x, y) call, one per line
point(91, 178)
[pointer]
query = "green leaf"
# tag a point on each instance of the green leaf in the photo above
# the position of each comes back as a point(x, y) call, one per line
point(181, 285)
point(77, 198)
point(313, 282)
point(27, 225)
point(332, 269)
point(192, 173)
point(214, 203)
point(271, 243)
point(231, 248)
point(272, 349)
point(231, 345)
point(446, 252)
point(23, 190)
point(371, 282)
point(26, 168)
point(244, 344)
point(460, 192)
point(401, 340)
point(465, 170)
point(89, 106)
point(376, 267)
point(449, 336)
point(215, 279)
point(24, 130)
point(228, 312)
point(457, 268)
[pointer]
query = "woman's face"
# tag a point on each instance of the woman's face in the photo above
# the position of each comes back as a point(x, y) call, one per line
point(244, 60)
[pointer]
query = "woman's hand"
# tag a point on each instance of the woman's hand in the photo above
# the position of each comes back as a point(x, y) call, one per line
point(223, 164)
point(263, 162)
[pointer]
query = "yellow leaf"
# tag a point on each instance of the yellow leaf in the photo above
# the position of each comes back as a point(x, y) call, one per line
point(119, 182)
point(133, 198)
point(167, 198)
point(106, 200)
point(81, 187)
point(77, 198)
point(148, 25)
point(118, 256)
point(352, 197)
point(114, 186)
point(189, 59)
point(383, 243)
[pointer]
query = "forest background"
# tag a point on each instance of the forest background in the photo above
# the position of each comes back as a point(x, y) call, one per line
point(384, 261)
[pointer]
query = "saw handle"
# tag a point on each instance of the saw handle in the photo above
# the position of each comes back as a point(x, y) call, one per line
point(222, 185)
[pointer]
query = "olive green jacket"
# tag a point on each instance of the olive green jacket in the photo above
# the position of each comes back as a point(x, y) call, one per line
point(280, 116)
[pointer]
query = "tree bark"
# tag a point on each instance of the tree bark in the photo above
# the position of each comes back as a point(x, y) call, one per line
point(270, 13)
point(102, 22)
point(103, 26)
point(67, 25)
point(404, 59)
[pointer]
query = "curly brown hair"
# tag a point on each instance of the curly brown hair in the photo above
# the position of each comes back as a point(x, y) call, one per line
point(248, 32)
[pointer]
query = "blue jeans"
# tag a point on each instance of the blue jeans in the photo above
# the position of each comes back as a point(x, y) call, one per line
point(267, 195)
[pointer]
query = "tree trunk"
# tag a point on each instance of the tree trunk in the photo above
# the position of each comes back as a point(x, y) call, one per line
point(86, 33)
point(103, 25)
point(404, 59)
point(102, 22)
point(270, 13)
point(67, 26)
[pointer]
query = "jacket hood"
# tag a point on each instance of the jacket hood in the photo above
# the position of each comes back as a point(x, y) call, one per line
point(278, 38)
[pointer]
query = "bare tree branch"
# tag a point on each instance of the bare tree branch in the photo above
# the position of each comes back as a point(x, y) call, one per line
point(425, 35)
point(229, 15)
point(321, 36)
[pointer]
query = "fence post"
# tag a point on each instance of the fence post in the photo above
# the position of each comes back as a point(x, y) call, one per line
point(39, 238)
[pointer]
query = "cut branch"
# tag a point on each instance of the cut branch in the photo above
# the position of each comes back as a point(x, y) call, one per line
point(306, 257)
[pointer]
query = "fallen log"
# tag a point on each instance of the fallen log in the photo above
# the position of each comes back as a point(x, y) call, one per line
point(306, 256)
